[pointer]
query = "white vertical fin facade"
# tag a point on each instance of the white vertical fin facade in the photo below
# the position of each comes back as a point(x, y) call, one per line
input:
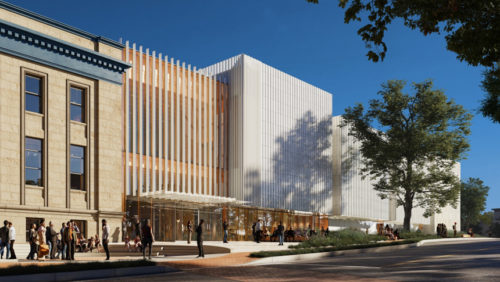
point(280, 137)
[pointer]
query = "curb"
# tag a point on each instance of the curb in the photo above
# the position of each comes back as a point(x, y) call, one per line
point(293, 258)
point(90, 274)
point(444, 240)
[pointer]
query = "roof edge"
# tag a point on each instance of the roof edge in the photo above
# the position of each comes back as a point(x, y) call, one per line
point(60, 25)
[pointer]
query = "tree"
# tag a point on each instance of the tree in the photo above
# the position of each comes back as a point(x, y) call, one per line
point(473, 195)
point(471, 29)
point(412, 153)
point(483, 223)
point(495, 229)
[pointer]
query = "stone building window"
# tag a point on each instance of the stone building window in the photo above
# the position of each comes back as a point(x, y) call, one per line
point(77, 104)
point(33, 161)
point(33, 94)
point(77, 167)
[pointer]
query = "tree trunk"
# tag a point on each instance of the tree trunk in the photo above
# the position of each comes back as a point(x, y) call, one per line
point(408, 206)
point(406, 224)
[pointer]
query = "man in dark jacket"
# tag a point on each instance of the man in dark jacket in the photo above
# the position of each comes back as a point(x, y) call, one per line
point(4, 239)
point(225, 227)
point(199, 239)
point(68, 238)
point(281, 233)
point(48, 237)
point(52, 238)
point(32, 240)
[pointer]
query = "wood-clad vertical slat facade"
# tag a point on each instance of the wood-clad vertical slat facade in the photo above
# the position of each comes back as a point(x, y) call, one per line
point(175, 119)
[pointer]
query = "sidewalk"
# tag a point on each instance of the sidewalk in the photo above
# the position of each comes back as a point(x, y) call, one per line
point(238, 248)
point(216, 265)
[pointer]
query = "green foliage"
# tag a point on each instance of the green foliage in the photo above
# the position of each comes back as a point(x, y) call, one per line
point(473, 194)
point(412, 153)
point(486, 218)
point(299, 251)
point(341, 238)
point(471, 29)
point(490, 106)
point(417, 235)
point(495, 230)
point(20, 269)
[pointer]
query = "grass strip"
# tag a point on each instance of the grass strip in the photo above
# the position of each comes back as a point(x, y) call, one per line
point(69, 267)
point(264, 254)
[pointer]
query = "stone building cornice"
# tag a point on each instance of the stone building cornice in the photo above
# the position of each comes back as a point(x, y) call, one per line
point(34, 46)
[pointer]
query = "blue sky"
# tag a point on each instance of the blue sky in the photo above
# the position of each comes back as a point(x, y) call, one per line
point(308, 41)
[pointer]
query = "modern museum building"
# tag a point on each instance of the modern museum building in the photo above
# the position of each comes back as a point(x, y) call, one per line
point(91, 128)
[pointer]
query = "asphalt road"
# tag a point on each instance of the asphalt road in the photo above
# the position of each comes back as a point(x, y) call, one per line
point(452, 261)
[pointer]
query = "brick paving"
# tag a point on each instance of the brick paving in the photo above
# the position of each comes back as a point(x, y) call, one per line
point(269, 273)
point(231, 267)
point(226, 267)
point(233, 259)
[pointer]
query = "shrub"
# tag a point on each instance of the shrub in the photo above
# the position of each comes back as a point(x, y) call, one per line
point(417, 235)
point(341, 238)
point(299, 251)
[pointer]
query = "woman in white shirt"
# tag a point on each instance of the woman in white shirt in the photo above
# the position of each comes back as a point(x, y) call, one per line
point(12, 239)
point(43, 248)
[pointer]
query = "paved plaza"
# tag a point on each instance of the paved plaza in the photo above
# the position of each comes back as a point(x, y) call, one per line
point(435, 260)
point(465, 260)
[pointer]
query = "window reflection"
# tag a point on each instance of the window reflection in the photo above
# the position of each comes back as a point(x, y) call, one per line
point(33, 161)
point(77, 104)
point(77, 167)
point(33, 94)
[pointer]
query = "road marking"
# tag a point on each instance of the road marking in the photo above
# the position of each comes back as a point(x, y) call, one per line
point(420, 260)
point(340, 267)
point(485, 249)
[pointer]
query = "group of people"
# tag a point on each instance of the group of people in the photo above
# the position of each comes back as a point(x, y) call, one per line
point(260, 232)
point(391, 233)
point(257, 230)
point(46, 242)
point(7, 240)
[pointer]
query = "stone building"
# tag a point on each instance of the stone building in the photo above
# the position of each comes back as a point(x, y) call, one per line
point(60, 117)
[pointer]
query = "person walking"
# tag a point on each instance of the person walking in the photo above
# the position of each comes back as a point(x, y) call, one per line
point(74, 235)
point(124, 228)
point(189, 230)
point(258, 230)
point(199, 239)
point(67, 241)
point(105, 237)
point(12, 239)
point(4, 239)
point(147, 238)
point(281, 233)
point(455, 230)
point(48, 237)
point(224, 227)
point(253, 232)
point(52, 238)
point(69, 237)
point(43, 248)
point(32, 240)
point(138, 229)
point(63, 241)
